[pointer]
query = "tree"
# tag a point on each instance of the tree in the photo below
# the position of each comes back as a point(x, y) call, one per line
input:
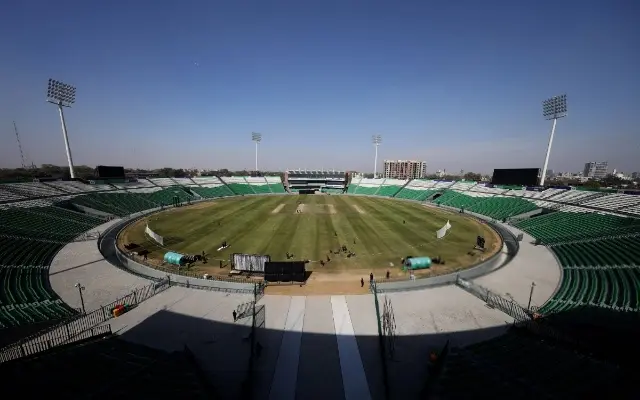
point(472, 176)
point(592, 184)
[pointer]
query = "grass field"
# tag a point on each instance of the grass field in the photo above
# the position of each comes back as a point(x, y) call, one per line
point(379, 231)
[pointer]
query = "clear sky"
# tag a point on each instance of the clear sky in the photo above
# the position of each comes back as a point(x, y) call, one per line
point(458, 84)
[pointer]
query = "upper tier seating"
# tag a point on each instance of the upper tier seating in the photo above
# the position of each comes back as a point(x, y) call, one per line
point(33, 189)
point(614, 201)
point(416, 189)
point(463, 185)
point(490, 190)
point(559, 226)
point(183, 181)
point(162, 182)
point(138, 184)
point(238, 185)
point(206, 180)
point(574, 196)
point(275, 184)
point(78, 187)
point(6, 196)
point(390, 187)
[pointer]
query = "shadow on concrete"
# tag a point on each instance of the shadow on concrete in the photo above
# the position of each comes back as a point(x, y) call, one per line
point(171, 354)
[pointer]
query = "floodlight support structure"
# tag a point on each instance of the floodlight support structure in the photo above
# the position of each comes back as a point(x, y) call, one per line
point(377, 139)
point(257, 138)
point(553, 108)
point(72, 173)
point(546, 158)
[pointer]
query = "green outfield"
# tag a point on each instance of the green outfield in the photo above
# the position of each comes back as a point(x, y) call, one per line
point(379, 231)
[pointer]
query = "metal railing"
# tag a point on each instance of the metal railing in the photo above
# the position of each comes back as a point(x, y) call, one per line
point(76, 327)
point(507, 306)
point(48, 343)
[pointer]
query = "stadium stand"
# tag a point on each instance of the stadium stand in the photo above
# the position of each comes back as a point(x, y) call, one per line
point(614, 201)
point(368, 186)
point(30, 236)
point(211, 187)
point(275, 184)
point(519, 362)
point(558, 227)
point(80, 187)
point(601, 273)
point(162, 182)
point(238, 185)
point(417, 189)
point(32, 189)
point(258, 184)
point(110, 368)
point(389, 187)
point(315, 180)
point(7, 196)
point(353, 185)
point(496, 207)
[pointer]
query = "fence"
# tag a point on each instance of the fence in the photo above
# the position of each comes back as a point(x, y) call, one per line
point(508, 307)
point(522, 317)
point(38, 346)
point(382, 341)
point(76, 327)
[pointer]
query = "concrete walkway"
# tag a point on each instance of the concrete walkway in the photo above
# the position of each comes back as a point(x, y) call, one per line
point(353, 376)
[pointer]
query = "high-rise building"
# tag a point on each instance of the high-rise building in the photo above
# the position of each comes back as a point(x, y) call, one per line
point(635, 175)
point(405, 169)
point(595, 170)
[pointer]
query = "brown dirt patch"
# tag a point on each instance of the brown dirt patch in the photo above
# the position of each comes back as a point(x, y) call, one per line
point(332, 208)
point(277, 209)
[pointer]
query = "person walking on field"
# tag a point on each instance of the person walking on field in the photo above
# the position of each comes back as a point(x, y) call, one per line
point(361, 282)
point(371, 277)
point(235, 316)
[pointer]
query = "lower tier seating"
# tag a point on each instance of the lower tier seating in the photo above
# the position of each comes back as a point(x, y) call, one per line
point(240, 188)
point(598, 273)
point(388, 190)
point(521, 363)
point(276, 188)
point(212, 192)
point(109, 368)
point(261, 189)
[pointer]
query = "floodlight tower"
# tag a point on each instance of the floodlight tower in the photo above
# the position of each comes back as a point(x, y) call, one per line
point(63, 95)
point(553, 108)
point(257, 138)
point(376, 139)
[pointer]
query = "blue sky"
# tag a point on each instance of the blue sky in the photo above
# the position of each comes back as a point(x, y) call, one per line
point(458, 84)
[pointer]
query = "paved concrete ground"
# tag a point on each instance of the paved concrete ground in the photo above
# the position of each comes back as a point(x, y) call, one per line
point(82, 262)
point(315, 347)
point(302, 356)
point(532, 264)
